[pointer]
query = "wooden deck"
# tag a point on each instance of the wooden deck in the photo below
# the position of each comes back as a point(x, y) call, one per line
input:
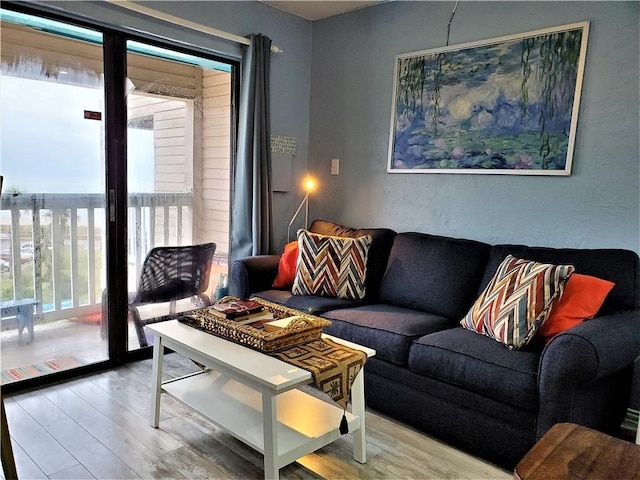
point(79, 337)
point(54, 340)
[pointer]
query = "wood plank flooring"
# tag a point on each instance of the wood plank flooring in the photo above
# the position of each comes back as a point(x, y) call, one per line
point(97, 427)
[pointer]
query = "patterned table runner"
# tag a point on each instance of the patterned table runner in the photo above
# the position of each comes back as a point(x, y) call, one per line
point(334, 368)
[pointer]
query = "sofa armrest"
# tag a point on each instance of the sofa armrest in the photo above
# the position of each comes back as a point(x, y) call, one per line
point(250, 275)
point(584, 373)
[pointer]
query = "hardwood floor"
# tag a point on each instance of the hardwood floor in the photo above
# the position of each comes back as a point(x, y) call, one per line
point(97, 427)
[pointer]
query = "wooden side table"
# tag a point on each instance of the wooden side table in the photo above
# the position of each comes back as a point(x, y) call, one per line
point(573, 452)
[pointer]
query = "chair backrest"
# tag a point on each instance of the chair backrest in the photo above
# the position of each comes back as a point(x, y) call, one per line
point(171, 273)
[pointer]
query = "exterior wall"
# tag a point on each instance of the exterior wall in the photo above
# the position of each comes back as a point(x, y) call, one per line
point(216, 149)
point(178, 145)
point(192, 151)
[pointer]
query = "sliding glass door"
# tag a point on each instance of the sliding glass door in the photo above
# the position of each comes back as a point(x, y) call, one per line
point(52, 222)
point(178, 131)
point(155, 134)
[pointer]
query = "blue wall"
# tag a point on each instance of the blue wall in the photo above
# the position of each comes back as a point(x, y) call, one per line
point(351, 93)
point(332, 90)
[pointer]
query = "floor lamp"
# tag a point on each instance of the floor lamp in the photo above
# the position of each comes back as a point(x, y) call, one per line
point(309, 186)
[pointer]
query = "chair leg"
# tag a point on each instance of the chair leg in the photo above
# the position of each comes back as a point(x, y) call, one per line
point(137, 322)
point(103, 321)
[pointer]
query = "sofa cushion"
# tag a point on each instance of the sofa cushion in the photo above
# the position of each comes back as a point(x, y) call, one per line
point(382, 240)
point(582, 298)
point(331, 266)
point(478, 363)
point(434, 274)
point(287, 266)
point(517, 300)
point(489, 428)
point(447, 393)
point(386, 328)
point(312, 304)
point(619, 266)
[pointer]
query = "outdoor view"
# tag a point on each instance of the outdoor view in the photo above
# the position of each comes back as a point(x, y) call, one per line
point(52, 217)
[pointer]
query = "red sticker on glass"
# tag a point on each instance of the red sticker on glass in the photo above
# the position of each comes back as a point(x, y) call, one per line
point(88, 114)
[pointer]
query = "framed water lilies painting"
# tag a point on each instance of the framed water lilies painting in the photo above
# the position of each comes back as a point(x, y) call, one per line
point(508, 105)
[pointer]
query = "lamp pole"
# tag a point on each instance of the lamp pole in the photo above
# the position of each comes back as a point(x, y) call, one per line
point(305, 201)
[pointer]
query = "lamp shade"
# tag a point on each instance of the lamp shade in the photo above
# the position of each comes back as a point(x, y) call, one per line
point(309, 184)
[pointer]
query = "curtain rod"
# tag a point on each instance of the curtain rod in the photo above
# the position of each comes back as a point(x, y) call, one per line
point(184, 23)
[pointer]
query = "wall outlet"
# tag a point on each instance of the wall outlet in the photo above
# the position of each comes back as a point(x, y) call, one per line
point(335, 166)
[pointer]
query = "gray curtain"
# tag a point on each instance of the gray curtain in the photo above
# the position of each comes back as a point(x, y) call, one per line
point(251, 197)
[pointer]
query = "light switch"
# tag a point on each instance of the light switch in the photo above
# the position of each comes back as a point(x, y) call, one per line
point(335, 166)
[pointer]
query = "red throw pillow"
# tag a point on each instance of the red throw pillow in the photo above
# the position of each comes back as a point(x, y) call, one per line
point(287, 266)
point(582, 298)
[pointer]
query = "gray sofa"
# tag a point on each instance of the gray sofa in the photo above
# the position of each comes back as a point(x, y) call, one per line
point(459, 386)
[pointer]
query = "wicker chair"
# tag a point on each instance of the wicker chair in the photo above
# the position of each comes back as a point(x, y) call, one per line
point(169, 274)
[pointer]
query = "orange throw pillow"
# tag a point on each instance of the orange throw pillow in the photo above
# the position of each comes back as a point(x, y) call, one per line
point(287, 266)
point(582, 298)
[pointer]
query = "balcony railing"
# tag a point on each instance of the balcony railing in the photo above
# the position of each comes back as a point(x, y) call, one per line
point(65, 269)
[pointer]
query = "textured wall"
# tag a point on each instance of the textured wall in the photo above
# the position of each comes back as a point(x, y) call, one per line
point(351, 95)
point(349, 78)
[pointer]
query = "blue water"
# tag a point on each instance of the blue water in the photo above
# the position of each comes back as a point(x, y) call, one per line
point(48, 307)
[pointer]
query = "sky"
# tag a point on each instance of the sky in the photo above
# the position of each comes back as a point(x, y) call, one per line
point(47, 146)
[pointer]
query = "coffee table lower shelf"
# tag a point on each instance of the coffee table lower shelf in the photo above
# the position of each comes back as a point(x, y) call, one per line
point(254, 397)
point(304, 423)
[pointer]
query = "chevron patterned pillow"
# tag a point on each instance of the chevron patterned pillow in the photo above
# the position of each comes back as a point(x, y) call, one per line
point(517, 300)
point(331, 266)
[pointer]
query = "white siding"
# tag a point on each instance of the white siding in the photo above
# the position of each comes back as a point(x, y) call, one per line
point(216, 148)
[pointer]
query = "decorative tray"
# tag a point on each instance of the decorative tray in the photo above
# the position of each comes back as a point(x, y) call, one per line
point(302, 328)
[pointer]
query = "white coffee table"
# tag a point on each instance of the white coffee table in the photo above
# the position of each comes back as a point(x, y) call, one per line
point(254, 396)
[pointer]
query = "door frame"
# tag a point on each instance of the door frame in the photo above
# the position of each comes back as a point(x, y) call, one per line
point(115, 73)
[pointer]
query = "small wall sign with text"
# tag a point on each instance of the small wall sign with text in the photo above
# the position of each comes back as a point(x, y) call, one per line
point(282, 144)
point(91, 115)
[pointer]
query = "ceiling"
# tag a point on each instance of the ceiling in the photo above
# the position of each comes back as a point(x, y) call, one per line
point(314, 10)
